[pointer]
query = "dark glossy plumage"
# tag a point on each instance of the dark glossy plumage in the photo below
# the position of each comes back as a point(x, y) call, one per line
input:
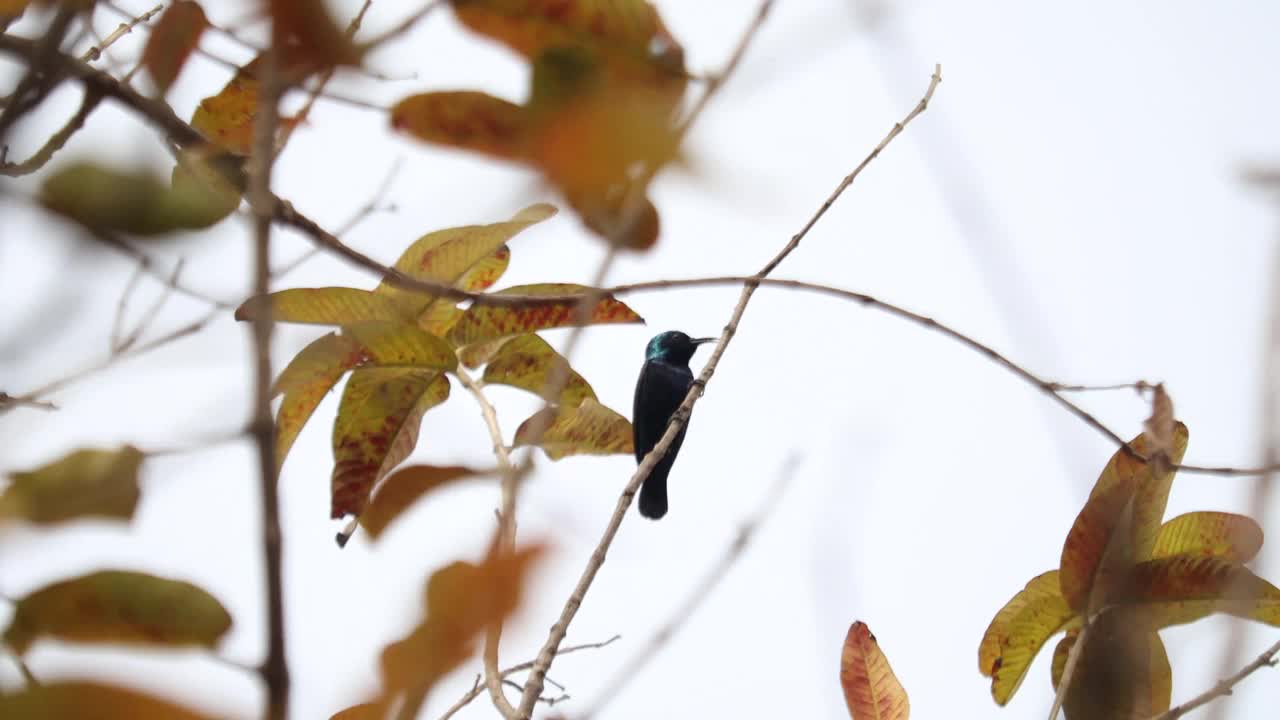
point(664, 381)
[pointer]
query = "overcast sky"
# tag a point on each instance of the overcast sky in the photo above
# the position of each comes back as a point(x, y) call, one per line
point(1073, 198)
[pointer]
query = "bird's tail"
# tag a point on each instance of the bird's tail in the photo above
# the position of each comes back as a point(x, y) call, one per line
point(653, 495)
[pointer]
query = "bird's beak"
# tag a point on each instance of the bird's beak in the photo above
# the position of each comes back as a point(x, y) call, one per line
point(704, 341)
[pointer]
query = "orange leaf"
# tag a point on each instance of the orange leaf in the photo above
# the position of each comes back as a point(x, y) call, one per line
point(323, 306)
point(68, 699)
point(172, 40)
point(589, 429)
point(1018, 631)
point(1184, 588)
point(1123, 671)
point(402, 489)
point(377, 428)
point(1232, 537)
point(871, 690)
point(526, 362)
point(465, 120)
point(363, 711)
point(116, 606)
point(462, 599)
point(1098, 547)
point(1152, 492)
point(83, 484)
point(486, 322)
point(308, 33)
point(629, 32)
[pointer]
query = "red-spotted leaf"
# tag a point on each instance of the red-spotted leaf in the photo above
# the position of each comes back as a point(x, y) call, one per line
point(323, 306)
point(395, 344)
point(1184, 588)
point(1232, 537)
point(402, 489)
point(83, 484)
point(462, 600)
point(172, 40)
point(116, 606)
point(465, 120)
point(1018, 631)
point(1123, 671)
point(588, 429)
point(527, 361)
point(377, 427)
point(487, 322)
point(89, 701)
point(871, 690)
point(226, 119)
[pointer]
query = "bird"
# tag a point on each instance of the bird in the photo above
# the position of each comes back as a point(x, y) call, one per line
point(664, 381)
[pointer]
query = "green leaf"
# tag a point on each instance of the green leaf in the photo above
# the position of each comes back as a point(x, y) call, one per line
point(117, 606)
point(131, 201)
point(85, 483)
point(589, 429)
point(487, 322)
point(526, 362)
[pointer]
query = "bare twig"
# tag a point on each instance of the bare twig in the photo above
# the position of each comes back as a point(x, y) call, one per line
point(1069, 670)
point(56, 141)
point(275, 668)
point(122, 305)
point(1140, 386)
point(148, 265)
point(123, 29)
point(151, 313)
point(1267, 659)
point(477, 688)
point(8, 401)
point(680, 417)
point(658, 641)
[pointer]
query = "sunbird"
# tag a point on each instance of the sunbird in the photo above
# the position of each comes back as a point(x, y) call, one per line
point(664, 381)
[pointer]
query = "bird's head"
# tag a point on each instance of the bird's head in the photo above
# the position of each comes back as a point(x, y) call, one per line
point(673, 346)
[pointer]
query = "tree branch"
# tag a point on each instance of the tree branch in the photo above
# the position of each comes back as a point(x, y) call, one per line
point(1266, 659)
point(275, 668)
point(659, 639)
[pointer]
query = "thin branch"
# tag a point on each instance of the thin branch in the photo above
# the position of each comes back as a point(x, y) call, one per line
point(1068, 670)
point(680, 417)
point(477, 688)
point(123, 29)
point(695, 598)
point(56, 141)
point(505, 539)
point(122, 306)
point(36, 82)
point(275, 668)
point(148, 265)
point(1140, 386)
point(8, 401)
point(1267, 659)
point(151, 313)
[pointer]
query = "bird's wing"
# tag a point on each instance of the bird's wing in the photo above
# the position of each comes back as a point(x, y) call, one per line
point(659, 392)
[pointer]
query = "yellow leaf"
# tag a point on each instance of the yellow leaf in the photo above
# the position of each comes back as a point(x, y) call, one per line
point(377, 428)
point(589, 429)
point(392, 344)
point(89, 701)
point(526, 362)
point(871, 690)
point(402, 489)
point(305, 381)
point(487, 322)
point(1018, 631)
point(83, 484)
point(1152, 491)
point(1060, 654)
point(1232, 537)
point(226, 119)
point(116, 606)
point(323, 306)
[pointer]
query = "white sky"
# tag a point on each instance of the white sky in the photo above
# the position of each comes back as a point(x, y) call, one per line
point(1073, 198)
